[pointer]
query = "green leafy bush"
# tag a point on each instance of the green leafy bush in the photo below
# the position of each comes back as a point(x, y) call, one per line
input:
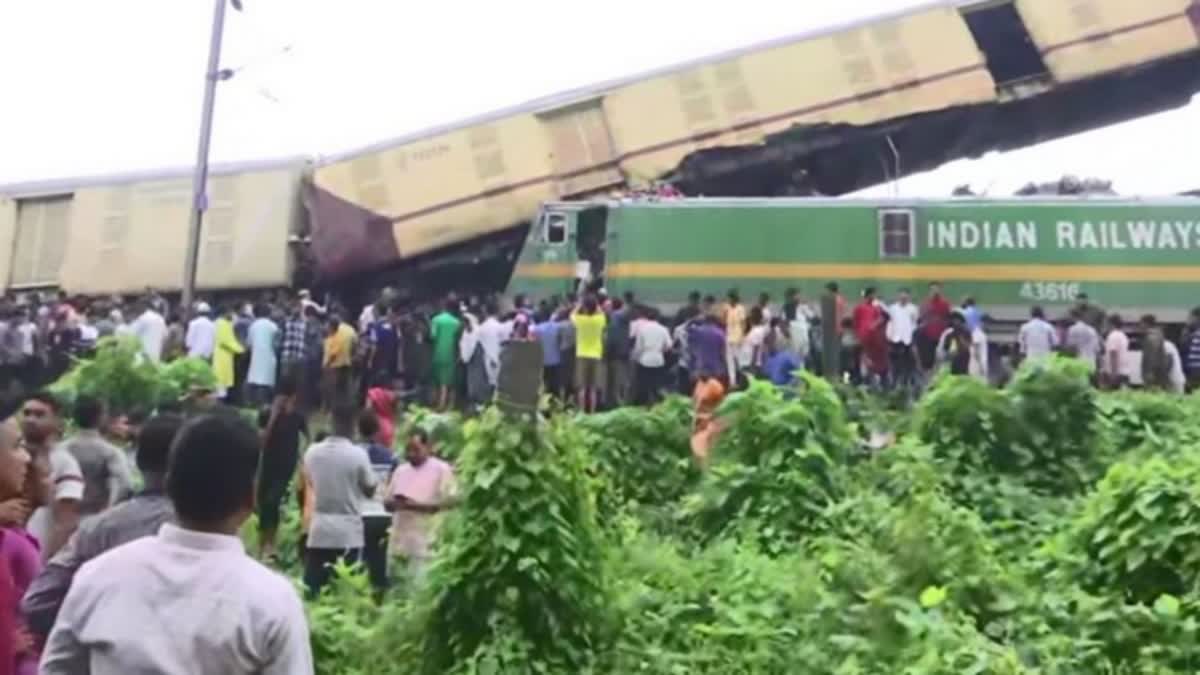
point(1131, 419)
point(776, 467)
point(960, 413)
point(1139, 533)
point(118, 375)
point(641, 459)
point(519, 585)
point(1057, 411)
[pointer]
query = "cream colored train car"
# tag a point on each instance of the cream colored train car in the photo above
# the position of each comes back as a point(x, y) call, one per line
point(416, 194)
point(1080, 39)
point(122, 234)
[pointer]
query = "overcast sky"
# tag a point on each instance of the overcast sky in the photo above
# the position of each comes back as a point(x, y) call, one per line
point(97, 86)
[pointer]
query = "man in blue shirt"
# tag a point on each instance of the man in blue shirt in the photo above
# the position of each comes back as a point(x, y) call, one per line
point(781, 366)
point(972, 314)
point(547, 330)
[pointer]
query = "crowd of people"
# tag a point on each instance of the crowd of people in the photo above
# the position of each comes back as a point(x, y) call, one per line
point(598, 351)
point(108, 566)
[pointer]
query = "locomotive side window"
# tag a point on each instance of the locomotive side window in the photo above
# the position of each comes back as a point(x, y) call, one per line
point(556, 228)
point(896, 233)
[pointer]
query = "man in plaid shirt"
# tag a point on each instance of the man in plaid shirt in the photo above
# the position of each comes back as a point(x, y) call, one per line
point(300, 345)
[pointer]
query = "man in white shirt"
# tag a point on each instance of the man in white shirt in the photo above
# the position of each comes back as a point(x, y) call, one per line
point(201, 333)
point(902, 325)
point(492, 335)
point(1115, 365)
point(651, 340)
point(1083, 340)
point(189, 600)
point(1177, 378)
point(978, 367)
point(151, 329)
point(1037, 338)
point(342, 477)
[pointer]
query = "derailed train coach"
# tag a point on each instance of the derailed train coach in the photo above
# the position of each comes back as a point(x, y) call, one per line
point(122, 234)
point(835, 110)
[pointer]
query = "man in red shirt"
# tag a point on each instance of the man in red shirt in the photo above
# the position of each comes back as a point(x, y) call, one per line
point(935, 319)
point(868, 328)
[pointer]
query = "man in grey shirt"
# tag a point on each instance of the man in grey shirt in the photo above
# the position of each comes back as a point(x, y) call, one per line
point(139, 517)
point(106, 478)
point(342, 477)
point(1083, 339)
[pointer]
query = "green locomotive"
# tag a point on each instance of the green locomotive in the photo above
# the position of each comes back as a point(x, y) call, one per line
point(1130, 255)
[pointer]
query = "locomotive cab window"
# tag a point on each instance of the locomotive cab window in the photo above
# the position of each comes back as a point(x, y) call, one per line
point(555, 228)
point(896, 233)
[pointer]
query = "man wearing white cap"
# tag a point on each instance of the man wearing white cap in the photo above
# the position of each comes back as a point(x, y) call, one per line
point(201, 333)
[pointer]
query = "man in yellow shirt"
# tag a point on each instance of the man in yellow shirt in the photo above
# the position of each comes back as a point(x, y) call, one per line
point(735, 332)
point(589, 324)
point(339, 352)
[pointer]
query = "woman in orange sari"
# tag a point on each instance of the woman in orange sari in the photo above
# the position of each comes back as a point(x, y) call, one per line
point(706, 398)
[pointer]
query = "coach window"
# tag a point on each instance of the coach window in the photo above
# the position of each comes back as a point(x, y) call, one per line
point(896, 233)
point(556, 228)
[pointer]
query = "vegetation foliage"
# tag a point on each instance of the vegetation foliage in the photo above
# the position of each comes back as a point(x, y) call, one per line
point(1043, 529)
point(118, 374)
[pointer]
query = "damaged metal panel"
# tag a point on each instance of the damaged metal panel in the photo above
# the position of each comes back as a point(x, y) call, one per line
point(837, 159)
point(861, 75)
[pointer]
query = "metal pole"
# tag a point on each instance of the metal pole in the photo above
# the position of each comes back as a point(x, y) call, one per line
point(200, 177)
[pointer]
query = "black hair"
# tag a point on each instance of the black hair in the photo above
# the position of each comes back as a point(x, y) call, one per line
point(1037, 312)
point(343, 419)
point(368, 424)
point(88, 412)
point(419, 434)
point(832, 287)
point(694, 297)
point(1115, 320)
point(45, 398)
point(154, 442)
point(212, 468)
